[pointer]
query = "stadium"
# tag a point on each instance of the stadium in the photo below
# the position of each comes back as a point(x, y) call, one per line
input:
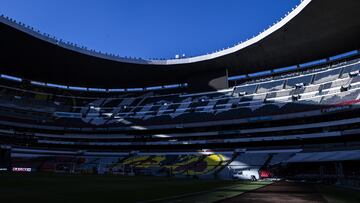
point(274, 116)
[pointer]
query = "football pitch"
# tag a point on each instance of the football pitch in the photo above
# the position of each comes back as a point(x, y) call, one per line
point(91, 188)
point(95, 188)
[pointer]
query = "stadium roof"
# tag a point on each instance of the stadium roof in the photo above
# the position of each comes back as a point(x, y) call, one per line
point(314, 30)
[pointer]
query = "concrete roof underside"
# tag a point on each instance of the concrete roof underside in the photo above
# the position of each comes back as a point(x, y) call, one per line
point(315, 30)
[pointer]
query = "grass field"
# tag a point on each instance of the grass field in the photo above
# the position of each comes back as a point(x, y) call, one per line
point(92, 188)
point(88, 188)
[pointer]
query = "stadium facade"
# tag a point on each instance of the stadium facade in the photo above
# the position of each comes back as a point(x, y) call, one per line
point(216, 115)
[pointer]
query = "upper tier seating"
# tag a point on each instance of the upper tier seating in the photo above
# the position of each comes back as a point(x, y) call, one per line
point(271, 86)
point(297, 92)
point(292, 82)
point(327, 76)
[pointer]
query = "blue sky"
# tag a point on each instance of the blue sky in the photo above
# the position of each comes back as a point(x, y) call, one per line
point(149, 28)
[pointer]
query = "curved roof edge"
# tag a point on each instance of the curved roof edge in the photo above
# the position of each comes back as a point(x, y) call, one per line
point(314, 30)
point(242, 45)
point(134, 60)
